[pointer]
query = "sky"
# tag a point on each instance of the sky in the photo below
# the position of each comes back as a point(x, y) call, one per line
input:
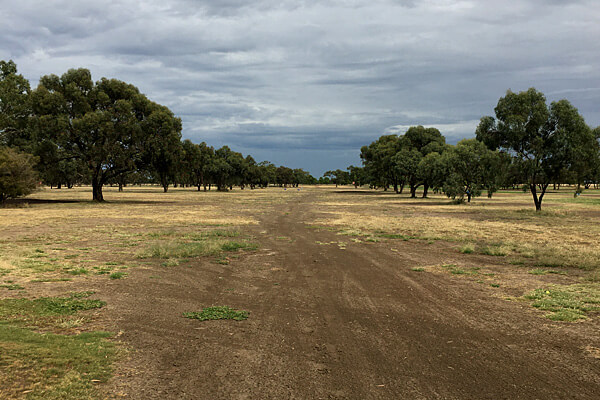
point(307, 83)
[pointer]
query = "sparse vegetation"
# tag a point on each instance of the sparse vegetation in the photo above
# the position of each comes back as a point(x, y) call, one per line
point(567, 303)
point(218, 312)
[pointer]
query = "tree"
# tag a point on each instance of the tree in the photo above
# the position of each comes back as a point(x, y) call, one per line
point(357, 175)
point(103, 125)
point(162, 131)
point(378, 159)
point(434, 170)
point(15, 106)
point(545, 141)
point(419, 141)
point(465, 169)
point(406, 162)
point(17, 176)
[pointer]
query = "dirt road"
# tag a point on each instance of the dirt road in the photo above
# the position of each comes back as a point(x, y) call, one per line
point(335, 319)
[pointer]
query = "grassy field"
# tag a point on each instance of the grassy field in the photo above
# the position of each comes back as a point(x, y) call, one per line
point(57, 238)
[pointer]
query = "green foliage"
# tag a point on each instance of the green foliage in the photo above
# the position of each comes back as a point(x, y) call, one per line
point(465, 169)
point(219, 312)
point(548, 143)
point(15, 107)
point(17, 176)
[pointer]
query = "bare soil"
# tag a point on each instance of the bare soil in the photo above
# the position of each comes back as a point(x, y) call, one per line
point(331, 318)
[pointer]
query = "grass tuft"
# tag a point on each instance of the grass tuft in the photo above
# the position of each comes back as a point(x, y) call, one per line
point(218, 312)
point(118, 275)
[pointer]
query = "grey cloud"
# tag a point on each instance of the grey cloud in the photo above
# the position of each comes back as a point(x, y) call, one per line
point(321, 76)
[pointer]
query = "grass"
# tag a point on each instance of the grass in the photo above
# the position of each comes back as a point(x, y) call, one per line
point(218, 312)
point(506, 225)
point(25, 310)
point(178, 249)
point(12, 286)
point(51, 366)
point(467, 249)
point(47, 365)
point(118, 275)
point(418, 269)
point(567, 303)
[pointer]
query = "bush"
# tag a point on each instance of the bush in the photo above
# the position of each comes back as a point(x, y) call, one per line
point(17, 177)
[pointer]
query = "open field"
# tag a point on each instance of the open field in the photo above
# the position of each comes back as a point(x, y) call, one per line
point(305, 294)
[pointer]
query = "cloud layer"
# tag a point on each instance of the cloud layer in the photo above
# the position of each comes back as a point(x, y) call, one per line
point(306, 83)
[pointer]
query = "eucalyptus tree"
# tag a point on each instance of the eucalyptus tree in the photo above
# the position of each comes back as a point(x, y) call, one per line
point(465, 169)
point(109, 126)
point(378, 159)
point(17, 176)
point(15, 107)
point(544, 140)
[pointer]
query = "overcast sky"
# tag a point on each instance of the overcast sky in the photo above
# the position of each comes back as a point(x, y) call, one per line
point(307, 83)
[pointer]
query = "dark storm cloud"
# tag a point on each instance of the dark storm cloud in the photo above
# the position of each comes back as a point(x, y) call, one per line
point(277, 78)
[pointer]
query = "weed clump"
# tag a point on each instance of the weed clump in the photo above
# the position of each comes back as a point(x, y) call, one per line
point(218, 312)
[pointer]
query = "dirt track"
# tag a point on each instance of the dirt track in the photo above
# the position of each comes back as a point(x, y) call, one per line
point(337, 323)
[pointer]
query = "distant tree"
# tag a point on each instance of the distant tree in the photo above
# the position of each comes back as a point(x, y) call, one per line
point(434, 170)
point(357, 175)
point(465, 169)
point(284, 176)
point(378, 159)
point(17, 176)
point(406, 163)
point(417, 142)
point(545, 141)
point(163, 148)
point(338, 177)
point(15, 107)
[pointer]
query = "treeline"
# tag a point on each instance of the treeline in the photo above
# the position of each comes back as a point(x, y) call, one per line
point(107, 132)
point(528, 144)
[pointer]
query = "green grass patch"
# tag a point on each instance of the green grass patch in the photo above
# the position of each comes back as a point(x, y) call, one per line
point(118, 275)
point(77, 271)
point(212, 234)
point(27, 310)
point(538, 271)
point(467, 249)
point(53, 366)
point(455, 270)
point(172, 262)
point(567, 303)
point(12, 286)
point(494, 251)
point(194, 249)
point(219, 312)
point(418, 269)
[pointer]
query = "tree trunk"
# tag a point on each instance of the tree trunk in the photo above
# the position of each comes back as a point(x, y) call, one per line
point(413, 191)
point(537, 200)
point(395, 187)
point(120, 186)
point(97, 190)
point(425, 190)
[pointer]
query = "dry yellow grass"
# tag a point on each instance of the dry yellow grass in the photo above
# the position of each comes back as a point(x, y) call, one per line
point(62, 232)
point(565, 233)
